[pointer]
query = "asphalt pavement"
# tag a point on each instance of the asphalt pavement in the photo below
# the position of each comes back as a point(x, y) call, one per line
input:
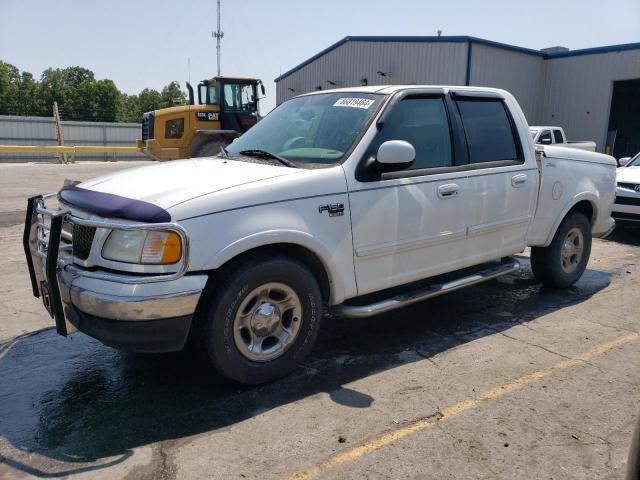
point(506, 379)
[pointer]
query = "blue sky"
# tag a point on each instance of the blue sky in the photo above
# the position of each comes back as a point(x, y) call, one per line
point(146, 43)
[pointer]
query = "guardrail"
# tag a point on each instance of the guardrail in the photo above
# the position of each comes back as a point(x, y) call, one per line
point(67, 149)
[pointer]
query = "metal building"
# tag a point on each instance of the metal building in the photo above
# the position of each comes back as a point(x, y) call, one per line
point(593, 93)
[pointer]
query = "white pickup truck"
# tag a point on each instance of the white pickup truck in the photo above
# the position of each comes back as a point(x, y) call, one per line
point(357, 200)
point(556, 136)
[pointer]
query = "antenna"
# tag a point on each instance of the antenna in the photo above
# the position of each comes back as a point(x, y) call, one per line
point(218, 34)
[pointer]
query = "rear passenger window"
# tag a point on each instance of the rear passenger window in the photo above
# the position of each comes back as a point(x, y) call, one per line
point(490, 136)
point(557, 136)
point(423, 123)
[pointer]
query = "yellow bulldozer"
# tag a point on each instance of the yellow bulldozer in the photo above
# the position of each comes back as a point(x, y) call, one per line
point(227, 107)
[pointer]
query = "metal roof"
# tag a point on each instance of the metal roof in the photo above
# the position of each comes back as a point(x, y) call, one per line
point(463, 39)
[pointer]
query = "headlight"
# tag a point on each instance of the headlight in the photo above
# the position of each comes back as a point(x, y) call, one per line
point(141, 246)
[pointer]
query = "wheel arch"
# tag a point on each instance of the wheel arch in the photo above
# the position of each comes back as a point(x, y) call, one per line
point(585, 203)
point(298, 245)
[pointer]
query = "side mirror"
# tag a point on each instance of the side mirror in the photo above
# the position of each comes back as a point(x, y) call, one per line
point(545, 141)
point(622, 162)
point(262, 89)
point(395, 155)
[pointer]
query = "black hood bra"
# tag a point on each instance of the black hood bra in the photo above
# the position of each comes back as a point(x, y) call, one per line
point(113, 206)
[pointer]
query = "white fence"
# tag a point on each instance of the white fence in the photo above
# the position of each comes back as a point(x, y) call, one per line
point(16, 130)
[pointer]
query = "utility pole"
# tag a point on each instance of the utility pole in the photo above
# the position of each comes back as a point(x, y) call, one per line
point(218, 34)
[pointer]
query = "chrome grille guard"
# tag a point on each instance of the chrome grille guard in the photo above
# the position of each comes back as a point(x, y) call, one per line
point(49, 250)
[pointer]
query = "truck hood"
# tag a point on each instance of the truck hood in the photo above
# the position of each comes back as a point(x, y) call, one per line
point(168, 184)
point(628, 174)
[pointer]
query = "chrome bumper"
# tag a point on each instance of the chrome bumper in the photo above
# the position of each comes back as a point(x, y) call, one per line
point(69, 291)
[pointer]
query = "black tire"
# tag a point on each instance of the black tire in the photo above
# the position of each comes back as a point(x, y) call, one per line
point(218, 315)
point(547, 262)
point(210, 149)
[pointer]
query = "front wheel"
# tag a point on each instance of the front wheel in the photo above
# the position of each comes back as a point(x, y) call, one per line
point(563, 262)
point(263, 321)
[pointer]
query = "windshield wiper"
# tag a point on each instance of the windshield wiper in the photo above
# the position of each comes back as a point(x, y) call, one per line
point(264, 154)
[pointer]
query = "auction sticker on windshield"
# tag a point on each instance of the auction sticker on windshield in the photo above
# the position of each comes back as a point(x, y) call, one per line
point(354, 102)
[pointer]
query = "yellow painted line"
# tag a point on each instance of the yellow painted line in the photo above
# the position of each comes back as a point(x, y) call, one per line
point(67, 149)
point(455, 410)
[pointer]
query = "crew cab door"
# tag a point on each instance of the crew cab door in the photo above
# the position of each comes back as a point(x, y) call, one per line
point(411, 224)
point(503, 185)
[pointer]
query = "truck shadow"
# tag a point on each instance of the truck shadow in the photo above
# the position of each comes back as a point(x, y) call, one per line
point(73, 405)
point(625, 235)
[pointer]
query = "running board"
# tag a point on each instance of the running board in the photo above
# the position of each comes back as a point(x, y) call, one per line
point(509, 265)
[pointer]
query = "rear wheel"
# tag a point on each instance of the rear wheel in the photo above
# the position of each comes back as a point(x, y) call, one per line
point(263, 321)
point(564, 261)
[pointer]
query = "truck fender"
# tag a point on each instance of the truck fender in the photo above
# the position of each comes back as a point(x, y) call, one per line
point(274, 237)
point(591, 197)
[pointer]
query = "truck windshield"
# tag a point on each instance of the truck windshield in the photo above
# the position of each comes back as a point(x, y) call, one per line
point(313, 130)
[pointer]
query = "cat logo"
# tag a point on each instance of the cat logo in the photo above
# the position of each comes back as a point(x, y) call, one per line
point(334, 209)
point(207, 116)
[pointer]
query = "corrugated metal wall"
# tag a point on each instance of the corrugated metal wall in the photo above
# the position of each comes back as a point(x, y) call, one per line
point(519, 73)
point(577, 92)
point(426, 63)
point(16, 130)
point(570, 91)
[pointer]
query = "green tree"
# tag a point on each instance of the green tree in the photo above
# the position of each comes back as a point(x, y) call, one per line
point(79, 95)
point(173, 95)
point(130, 112)
point(150, 100)
point(9, 76)
point(107, 101)
point(73, 88)
point(27, 100)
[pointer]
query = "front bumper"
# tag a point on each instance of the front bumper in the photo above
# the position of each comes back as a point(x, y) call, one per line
point(626, 209)
point(131, 312)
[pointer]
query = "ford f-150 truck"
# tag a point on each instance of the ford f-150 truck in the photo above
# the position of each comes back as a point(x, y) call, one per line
point(556, 136)
point(356, 200)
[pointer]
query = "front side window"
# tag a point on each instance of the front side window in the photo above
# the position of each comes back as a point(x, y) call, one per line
point(213, 93)
point(490, 136)
point(424, 124)
point(557, 137)
point(312, 130)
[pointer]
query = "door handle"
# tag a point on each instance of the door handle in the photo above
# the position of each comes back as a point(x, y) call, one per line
point(448, 190)
point(518, 180)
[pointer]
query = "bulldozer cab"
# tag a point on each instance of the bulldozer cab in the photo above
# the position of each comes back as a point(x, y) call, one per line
point(237, 99)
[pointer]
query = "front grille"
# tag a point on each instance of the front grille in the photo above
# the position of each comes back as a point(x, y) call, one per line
point(147, 125)
point(622, 216)
point(82, 240)
point(628, 200)
point(627, 186)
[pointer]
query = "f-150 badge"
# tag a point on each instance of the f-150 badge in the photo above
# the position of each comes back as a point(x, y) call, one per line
point(334, 209)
